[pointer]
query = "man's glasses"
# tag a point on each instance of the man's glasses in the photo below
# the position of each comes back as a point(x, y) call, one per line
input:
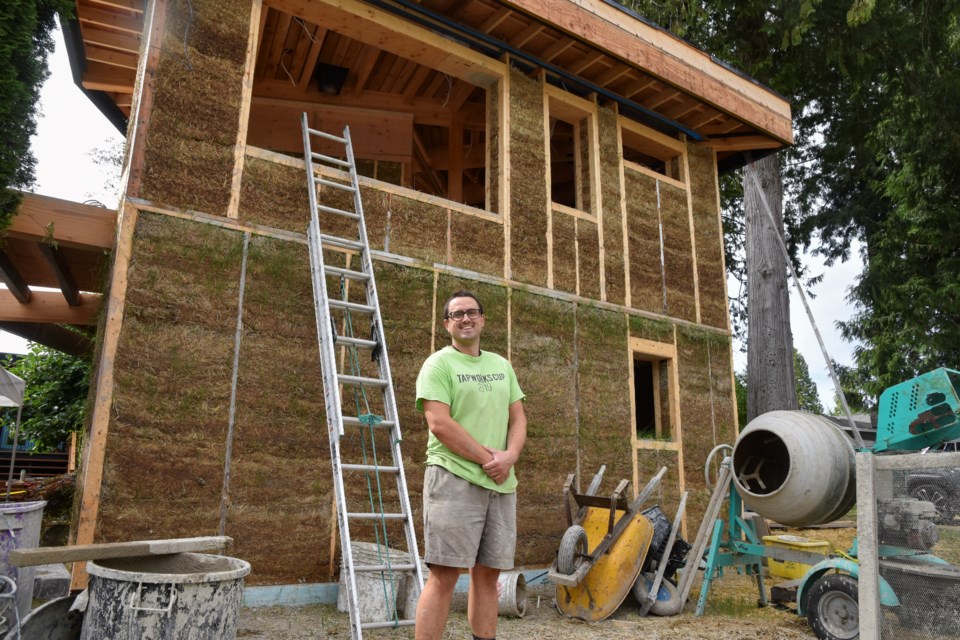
point(473, 314)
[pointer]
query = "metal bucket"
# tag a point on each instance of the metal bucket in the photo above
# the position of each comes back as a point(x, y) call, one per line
point(187, 596)
point(795, 467)
point(19, 529)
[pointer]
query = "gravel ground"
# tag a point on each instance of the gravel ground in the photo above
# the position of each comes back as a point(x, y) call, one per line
point(731, 613)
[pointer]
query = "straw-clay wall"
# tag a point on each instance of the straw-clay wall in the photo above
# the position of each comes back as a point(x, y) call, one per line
point(190, 280)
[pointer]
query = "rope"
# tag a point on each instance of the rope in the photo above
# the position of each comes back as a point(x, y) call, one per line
point(371, 420)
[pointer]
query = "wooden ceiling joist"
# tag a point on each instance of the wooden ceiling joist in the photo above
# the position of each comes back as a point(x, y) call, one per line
point(46, 219)
point(61, 269)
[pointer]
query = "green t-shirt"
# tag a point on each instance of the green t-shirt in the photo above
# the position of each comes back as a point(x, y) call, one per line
point(479, 392)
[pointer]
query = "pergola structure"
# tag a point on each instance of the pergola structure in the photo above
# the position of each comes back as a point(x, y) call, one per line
point(52, 261)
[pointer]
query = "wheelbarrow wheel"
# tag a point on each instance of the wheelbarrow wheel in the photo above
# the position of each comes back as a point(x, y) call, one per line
point(572, 547)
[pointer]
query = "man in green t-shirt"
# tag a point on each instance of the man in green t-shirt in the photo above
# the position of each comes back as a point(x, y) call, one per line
point(474, 409)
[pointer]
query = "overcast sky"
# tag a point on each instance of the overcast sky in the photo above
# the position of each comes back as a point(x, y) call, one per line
point(71, 129)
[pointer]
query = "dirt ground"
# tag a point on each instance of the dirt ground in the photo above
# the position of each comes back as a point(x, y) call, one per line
point(732, 613)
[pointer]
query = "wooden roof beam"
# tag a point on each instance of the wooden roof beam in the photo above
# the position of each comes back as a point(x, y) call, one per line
point(53, 336)
point(111, 57)
point(556, 48)
point(135, 6)
point(101, 77)
point(110, 39)
point(68, 285)
point(14, 280)
point(310, 63)
point(357, 80)
point(741, 143)
point(528, 33)
point(415, 83)
point(495, 19)
point(586, 63)
point(460, 94)
point(83, 226)
point(370, 25)
point(49, 306)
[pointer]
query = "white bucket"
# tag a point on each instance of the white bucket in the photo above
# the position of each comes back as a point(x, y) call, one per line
point(377, 592)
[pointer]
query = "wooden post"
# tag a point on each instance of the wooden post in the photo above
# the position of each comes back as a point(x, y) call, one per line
point(253, 40)
point(95, 447)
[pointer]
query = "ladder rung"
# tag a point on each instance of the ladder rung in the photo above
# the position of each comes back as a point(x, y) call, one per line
point(384, 567)
point(351, 306)
point(359, 342)
point(329, 159)
point(355, 422)
point(335, 185)
point(376, 516)
point(369, 467)
point(338, 212)
point(327, 136)
point(387, 625)
point(343, 243)
point(357, 380)
point(346, 273)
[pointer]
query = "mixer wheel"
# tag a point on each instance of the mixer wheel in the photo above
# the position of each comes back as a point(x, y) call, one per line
point(832, 610)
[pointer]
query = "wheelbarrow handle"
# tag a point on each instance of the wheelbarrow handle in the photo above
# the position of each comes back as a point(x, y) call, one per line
point(647, 490)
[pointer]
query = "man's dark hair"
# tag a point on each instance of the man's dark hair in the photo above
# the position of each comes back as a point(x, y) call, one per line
point(460, 294)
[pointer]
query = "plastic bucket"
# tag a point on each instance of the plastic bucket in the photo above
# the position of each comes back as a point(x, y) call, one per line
point(378, 592)
point(19, 529)
point(187, 596)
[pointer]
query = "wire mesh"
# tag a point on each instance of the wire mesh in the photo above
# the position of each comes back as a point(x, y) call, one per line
point(915, 544)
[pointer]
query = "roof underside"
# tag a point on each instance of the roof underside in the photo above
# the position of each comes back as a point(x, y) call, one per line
point(586, 47)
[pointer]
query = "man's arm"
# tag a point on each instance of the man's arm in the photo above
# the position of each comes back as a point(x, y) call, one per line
point(451, 434)
point(499, 467)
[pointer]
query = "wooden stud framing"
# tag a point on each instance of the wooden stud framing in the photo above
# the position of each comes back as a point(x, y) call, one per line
point(548, 179)
point(693, 237)
point(96, 444)
point(621, 176)
point(504, 165)
point(239, 152)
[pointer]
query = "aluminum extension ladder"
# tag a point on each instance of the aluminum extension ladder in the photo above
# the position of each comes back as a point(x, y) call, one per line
point(367, 426)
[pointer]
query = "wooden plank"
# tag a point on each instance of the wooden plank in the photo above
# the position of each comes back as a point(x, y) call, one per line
point(668, 58)
point(740, 143)
point(104, 77)
point(67, 223)
point(316, 44)
point(110, 39)
point(96, 442)
point(239, 151)
point(110, 20)
point(111, 57)
point(685, 162)
point(50, 555)
point(49, 306)
point(136, 6)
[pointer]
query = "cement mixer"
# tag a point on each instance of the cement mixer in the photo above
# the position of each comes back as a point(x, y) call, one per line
point(798, 469)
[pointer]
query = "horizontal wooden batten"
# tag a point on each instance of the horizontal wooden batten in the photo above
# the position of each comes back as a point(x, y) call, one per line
point(639, 168)
point(49, 306)
point(556, 207)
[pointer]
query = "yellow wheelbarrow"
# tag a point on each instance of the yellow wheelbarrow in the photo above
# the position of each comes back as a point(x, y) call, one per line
point(602, 550)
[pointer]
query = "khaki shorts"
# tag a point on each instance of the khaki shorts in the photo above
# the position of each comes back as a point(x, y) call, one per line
point(465, 524)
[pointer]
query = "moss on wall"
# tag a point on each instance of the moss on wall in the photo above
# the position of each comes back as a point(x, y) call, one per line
point(528, 179)
point(611, 215)
point(656, 330)
point(604, 393)
point(677, 252)
point(711, 276)
point(189, 151)
point(163, 472)
point(643, 227)
point(543, 358)
point(588, 250)
point(564, 252)
point(281, 464)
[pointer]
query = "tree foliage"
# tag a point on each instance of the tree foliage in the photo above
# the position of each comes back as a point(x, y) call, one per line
point(25, 41)
point(874, 86)
point(55, 396)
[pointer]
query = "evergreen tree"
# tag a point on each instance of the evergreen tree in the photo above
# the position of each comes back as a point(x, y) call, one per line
point(25, 41)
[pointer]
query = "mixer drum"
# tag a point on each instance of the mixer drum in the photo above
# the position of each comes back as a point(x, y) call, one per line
point(796, 468)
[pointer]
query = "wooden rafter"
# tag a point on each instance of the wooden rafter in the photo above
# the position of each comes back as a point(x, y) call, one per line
point(14, 280)
point(49, 306)
point(57, 261)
